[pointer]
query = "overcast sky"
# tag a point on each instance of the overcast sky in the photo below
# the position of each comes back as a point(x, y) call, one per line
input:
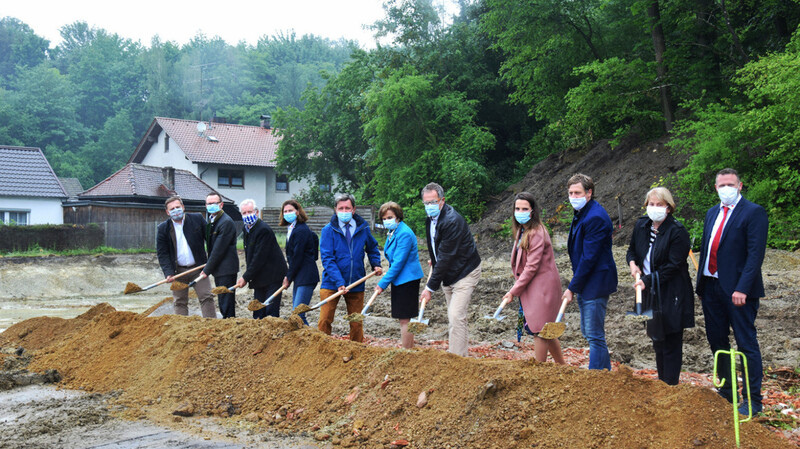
point(180, 20)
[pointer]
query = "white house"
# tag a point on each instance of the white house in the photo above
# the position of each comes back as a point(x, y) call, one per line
point(236, 160)
point(30, 192)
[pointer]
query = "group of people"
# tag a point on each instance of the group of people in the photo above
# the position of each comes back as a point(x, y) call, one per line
point(729, 282)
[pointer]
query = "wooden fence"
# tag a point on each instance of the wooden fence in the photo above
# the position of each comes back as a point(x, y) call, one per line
point(318, 217)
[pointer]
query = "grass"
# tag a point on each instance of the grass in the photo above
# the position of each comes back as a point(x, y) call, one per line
point(37, 251)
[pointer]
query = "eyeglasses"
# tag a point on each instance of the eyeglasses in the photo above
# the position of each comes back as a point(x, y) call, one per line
point(431, 203)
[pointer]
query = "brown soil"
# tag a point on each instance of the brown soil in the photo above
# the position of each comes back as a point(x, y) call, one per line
point(130, 287)
point(302, 308)
point(362, 396)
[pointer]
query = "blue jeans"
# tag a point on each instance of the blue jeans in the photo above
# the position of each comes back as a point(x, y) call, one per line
point(593, 322)
point(721, 315)
point(301, 294)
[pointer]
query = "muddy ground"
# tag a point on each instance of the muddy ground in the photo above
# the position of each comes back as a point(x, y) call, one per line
point(84, 281)
point(72, 284)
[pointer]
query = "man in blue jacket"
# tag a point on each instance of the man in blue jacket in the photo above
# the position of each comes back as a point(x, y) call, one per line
point(730, 284)
point(594, 273)
point(343, 244)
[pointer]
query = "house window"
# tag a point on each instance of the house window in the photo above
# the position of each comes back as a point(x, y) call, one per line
point(325, 187)
point(281, 183)
point(14, 217)
point(166, 143)
point(231, 178)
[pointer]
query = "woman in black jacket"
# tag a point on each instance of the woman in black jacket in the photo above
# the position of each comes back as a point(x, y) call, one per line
point(658, 251)
point(302, 249)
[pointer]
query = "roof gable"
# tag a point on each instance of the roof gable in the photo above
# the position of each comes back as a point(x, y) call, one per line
point(234, 145)
point(26, 172)
point(147, 181)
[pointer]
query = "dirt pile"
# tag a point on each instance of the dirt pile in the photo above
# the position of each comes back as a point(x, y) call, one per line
point(622, 177)
point(360, 396)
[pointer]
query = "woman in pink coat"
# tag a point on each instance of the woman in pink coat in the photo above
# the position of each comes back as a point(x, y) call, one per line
point(538, 285)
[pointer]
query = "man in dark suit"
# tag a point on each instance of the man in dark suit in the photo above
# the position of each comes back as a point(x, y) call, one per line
point(223, 262)
point(266, 266)
point(594, 273)
point(455, 264)
point(179, 245)
point(730, 285)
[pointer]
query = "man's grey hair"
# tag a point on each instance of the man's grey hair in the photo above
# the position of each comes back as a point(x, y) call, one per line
point(343, 197)
point(248, 201)
point(431, 188)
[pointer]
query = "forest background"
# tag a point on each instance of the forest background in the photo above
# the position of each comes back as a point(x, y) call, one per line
point(471, 101)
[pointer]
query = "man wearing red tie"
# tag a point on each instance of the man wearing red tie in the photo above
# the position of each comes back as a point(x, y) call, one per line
point(730, 284)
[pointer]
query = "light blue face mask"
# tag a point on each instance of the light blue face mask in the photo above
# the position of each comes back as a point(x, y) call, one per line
point(250, 220)
point(390, 224)
point(522, 217)
point(345, 217)
point(290, 217)
point(578, 203)
point(432, 210)
point(176, 214)
point(212, 208)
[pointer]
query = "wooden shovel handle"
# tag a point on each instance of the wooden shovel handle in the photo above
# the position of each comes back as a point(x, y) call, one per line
point(372, 298)
point(164, 281)
point(638, 291)
point(278, 292)
point(341, 292)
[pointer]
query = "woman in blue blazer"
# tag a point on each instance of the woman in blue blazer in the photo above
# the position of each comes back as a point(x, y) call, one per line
point(302, 250)
point(404, 271)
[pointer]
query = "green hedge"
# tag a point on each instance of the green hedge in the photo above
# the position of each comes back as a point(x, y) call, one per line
point(55, 237)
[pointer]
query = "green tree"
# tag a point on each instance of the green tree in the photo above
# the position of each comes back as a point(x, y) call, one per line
point(422, 133)
point(19, 47)
point(757, 137)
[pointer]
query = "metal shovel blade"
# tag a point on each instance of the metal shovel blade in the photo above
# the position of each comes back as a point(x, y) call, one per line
point(496, 315)
point(638, 315)
point(364, 310)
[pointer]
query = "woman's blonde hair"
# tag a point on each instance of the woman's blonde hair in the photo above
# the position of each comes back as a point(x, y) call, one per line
point(661, 194)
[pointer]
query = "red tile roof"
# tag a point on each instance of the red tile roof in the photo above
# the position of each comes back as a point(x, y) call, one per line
point(235, 145)
point(147, 181)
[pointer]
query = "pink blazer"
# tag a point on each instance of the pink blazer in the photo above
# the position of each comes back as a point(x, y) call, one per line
point(538, 284)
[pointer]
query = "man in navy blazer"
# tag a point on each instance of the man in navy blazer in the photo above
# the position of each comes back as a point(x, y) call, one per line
point(730, 285)
point(594, 275)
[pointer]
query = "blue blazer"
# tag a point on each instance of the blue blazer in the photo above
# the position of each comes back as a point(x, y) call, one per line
point(343, 264)
point(301, 251)
point(741, 249)
point(403, 256)
point(589, 245)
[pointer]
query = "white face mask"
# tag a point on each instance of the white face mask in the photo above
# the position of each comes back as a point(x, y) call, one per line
point(578, 203)
point(728, 195)
point(656, 213)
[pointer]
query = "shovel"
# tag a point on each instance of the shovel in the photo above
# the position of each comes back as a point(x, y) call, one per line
point(133, 288)
point(258, 305)
point(369, 303)
point(694, 259)
point(638, 315)
point(335, 295)
point(497, 315)
point(555, 329)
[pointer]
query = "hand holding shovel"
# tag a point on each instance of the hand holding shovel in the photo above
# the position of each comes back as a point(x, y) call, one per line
point(506, 299)
point(638, 315)
point(258, 305)
point(335, 295)
point(133, 288)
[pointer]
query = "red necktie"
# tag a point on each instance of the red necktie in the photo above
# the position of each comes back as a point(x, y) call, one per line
point(712, 257)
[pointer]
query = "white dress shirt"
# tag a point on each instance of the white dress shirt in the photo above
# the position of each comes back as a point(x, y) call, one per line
point(185, 256)
point(714, 232)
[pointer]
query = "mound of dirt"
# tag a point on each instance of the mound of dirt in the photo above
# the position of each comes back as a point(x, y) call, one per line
point(622, 176)
point(360, 396)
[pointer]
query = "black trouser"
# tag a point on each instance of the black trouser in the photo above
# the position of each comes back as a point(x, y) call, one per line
point(274, 306)
point(669, 357)
point(227, 301)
